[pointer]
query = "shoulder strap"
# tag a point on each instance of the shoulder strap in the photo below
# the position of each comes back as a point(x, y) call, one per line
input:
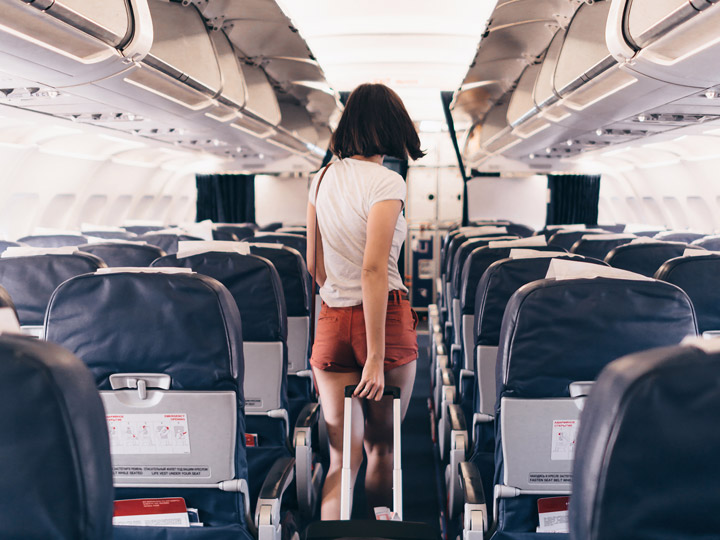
point(316, 233)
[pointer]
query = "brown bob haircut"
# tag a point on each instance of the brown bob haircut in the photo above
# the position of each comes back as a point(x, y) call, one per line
point(375, 122)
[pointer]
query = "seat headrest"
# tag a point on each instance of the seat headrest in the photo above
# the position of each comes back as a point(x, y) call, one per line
point(499, 283)
point(647, 447)
point(30, 281)
point(555, 332)
point(254, 284)
point(57, 479)
point(644, 255)
point(120, 253)
point(185, 325)
point(294, 241)
point(531, 241)
point(293, 273)
point(53, 240)
point(168, 242)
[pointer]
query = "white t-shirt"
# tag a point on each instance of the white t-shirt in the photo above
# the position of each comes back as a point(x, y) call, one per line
point(348, 191)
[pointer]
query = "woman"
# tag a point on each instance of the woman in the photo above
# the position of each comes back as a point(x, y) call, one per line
point(366, 328)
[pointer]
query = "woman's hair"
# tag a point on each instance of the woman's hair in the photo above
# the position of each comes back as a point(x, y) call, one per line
point(375, 122)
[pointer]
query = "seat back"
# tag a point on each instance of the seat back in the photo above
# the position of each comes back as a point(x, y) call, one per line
point(599, 245)
point(168, 242)
point(31, 280)
point(53, 240)
point(556, 332)
point(111, 235)
point(4, 244)
point(644, 258)
point(241, 231)
point(647, 448)
point(143, 229)
point(165, 349)
point(566, 239)
point(256, 288)
point(686, 237)
point(295, 241)
point(711, 243)
point(57, 480)
point(697, 276)
point(118, 254)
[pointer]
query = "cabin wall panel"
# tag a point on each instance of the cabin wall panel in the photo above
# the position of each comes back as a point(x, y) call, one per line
point(281, 198)
point(522, 200)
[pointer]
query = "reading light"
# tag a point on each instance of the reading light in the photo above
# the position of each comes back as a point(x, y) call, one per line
point(599, 132)
point(712, 94)
point(641, 118)
point(532, 156)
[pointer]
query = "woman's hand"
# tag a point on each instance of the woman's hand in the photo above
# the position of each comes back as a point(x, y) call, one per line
point(372, 383)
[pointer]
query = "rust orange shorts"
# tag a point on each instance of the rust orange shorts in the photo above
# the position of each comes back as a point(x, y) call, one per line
point(341, 342)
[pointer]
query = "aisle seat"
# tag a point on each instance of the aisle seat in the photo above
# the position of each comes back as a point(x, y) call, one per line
point(633, 476)
point(119, 254)
point(30, 275)
point(4, 244)
point(555, 332)
point(598, 246)
point(686, 237)
point(566, 239)
point(644, 256)
point(257, 290)
point(710, 242)
point(295, 241)
point(57, 479)
point(165, 349)
point(110, 235)
point(140, 229)
point(699, 276)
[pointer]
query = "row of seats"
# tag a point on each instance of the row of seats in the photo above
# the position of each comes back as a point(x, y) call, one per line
point(538, 327)
point(157, 340)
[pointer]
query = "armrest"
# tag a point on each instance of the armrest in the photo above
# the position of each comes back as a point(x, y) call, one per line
point(457, 417)
point(475, 506)
point(471, 482)
point(278, 479)
point(447, 377)
point(309, 416)
point(267, 511)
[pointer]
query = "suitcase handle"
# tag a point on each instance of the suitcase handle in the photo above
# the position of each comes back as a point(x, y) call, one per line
point(393, 391)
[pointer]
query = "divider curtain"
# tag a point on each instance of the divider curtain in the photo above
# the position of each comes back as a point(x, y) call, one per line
point(226, 198)
point(573, 198)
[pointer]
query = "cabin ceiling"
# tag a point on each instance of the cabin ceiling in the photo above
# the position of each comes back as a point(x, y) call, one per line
point(221, 78)
point(417, 47)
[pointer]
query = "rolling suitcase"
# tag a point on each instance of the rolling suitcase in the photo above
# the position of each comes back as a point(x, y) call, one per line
point(367, 529)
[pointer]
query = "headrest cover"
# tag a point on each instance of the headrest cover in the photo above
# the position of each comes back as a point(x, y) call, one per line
point(646, 455)
point(184, 325)
point(598, 237)
point(481, 231)
point(535, 254)
point(522, 242)
point(57, 480)
point(694, 252)
point(253, 283)
point(646, 240)
point(556, 332)
point(30, 281)
point(188, 249)
point(574, 227)
point(562, 269)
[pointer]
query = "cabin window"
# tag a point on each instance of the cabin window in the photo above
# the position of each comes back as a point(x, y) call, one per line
point(653, 212)
point(118, 210)
point(57, 210)
point(19, 214)
point(161, 207)
point(91, 210)
point(701, 218)
point(142, 208)
point(677, 213)
point(636, 210)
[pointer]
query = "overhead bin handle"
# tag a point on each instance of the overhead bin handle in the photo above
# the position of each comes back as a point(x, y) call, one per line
point(142, 32)
point(615, 33)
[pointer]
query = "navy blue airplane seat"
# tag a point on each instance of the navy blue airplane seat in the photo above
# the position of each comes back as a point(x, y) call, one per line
point(711, 243)
point(239, 230)
point(459, 239)
point(31, 280)
point(517, 229)
point(6, 300)
point(686, 237)
point(116, 254)
point(554, 333)
point(566, 239)
point(647, 449)
point(4, 244)
point(111, 235)
point(143, 229)
point(57, 479)
point(613, 228)
point(53, 240)
point(168, 242)
point(461, 255)
point(698, 277)
point(644, 258)
point(185, 331)
point(598, 246)
point(302, 231)
point(271, 227)
point(295, 241)
point(225, 236)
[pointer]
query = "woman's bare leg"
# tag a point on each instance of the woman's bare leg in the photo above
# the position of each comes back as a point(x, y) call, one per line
point(379, 436)
point(331, 387)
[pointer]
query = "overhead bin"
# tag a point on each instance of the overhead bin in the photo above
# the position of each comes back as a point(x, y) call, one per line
point(234, 91)
point(676, 41)
point(261, 110)
point(180, 67)
point(495, 134)
point(69, 42)
point(522, 105)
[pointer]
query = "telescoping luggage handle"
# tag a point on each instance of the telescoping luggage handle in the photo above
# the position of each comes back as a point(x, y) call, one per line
point(346, 477)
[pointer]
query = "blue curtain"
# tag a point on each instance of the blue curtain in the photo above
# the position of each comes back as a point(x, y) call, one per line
point(573, 199)
point(226, 198)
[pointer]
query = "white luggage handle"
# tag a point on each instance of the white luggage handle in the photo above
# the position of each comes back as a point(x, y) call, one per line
point(346, 485)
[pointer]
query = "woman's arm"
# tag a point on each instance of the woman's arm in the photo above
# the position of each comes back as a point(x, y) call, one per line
point(310, 255)
point(380, 230)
